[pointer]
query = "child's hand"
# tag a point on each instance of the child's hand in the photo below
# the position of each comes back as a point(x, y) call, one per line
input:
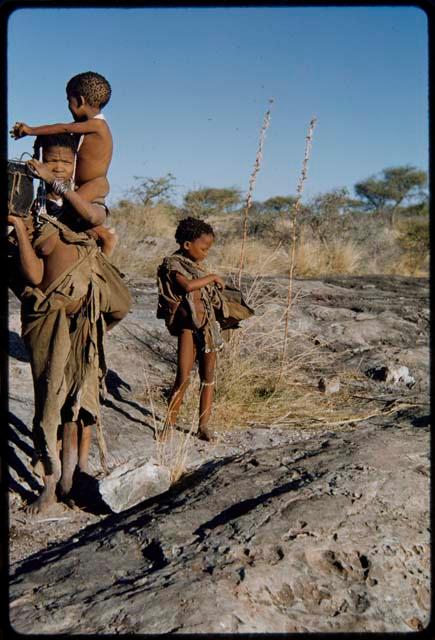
point(218, 282)
point(92, 234)
point(19, 130)
point(40, 170)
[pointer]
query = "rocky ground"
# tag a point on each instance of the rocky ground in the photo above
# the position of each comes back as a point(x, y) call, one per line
point(272, 529)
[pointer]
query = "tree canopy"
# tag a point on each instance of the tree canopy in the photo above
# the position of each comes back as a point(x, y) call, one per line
point(149, 190)
point(210, 201)
point(396, 185)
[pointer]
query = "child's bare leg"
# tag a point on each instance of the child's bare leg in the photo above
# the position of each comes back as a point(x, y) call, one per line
point(96, 189)
point(185, 359)
point(69, 457)
point(84, 444)
point(207, 366)
point(91, 191)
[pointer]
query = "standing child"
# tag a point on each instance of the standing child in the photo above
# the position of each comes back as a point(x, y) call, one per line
point(195, 307)
point(87, 93)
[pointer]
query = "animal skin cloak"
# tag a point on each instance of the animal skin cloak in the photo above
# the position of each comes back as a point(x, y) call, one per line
point(223, 309)
point(63, 328)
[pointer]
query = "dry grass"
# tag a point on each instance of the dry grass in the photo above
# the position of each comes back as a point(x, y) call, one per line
point(367, 246)
point(314, 257)
point(411, 264)
point(259, 259)
point(137, 221)
point(145, 234)
point(172, 451)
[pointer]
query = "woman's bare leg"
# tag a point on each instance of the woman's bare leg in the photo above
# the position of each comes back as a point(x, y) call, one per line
point(51, 474)
point(185, 359)
point(84, 444)
point(69, 457)
point(207, 366)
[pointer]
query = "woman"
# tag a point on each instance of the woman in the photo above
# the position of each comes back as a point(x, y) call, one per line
point(72, 294)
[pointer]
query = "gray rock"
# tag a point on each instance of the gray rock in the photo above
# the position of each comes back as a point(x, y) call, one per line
point(329, 385)
point(133, 482)
point(272, 529)
point(244, 548)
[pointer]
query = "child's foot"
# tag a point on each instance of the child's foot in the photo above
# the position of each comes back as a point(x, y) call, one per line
point(109, 243)
point(204, 433)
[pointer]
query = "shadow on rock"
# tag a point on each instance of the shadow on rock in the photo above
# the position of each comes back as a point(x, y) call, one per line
point(18, 448)
point(114, 384)
point(17, 348)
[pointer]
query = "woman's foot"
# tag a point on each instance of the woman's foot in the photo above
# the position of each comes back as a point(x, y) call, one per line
point(46, 499)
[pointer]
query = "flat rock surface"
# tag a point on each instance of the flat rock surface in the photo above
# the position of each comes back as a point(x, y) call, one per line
point(310, 536)
point(274, 529)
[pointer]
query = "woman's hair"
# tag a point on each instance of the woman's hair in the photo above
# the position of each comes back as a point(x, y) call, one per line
point(192, 228)
point(67, 140)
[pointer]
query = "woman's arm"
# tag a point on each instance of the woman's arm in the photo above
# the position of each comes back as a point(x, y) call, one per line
point(193, 285)
point(32, 266)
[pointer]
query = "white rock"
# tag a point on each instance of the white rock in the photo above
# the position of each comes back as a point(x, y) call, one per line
point(395, 375)
point(132, 483)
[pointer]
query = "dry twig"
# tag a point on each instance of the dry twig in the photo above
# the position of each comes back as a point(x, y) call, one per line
point(252, 179)
point(295, 211)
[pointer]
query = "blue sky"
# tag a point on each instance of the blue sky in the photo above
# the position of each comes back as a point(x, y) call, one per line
point(191, 85)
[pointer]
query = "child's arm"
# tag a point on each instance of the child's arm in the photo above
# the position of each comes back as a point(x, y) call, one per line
point(192, 285)
point(91, 213)
point(31, 265)
point(20, 129)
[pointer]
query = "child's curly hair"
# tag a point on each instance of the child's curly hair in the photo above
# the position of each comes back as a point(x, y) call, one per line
point(92, 86)
point(192, 228)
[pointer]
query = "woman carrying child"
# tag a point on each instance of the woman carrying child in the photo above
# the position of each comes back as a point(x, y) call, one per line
point(195, 307)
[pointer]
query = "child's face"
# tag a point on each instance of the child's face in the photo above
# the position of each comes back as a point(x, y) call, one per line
point(60, 160)
point(75, 110)
point(197, 249)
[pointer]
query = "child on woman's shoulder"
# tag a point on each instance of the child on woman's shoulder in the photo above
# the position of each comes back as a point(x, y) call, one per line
point(193, 304)
point(87, 94)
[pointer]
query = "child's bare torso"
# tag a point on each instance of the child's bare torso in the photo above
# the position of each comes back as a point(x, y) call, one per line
point(94, 155)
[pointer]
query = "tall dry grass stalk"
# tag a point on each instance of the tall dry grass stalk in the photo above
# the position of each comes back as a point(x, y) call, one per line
point(252, 179)
point(295, 211)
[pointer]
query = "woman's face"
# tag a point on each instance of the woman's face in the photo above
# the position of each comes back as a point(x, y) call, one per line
point(60, 161)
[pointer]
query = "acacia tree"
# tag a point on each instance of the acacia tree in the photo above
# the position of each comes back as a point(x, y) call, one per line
point(149, 190)
point(281, 205)
point(202, 203)
point(395, 186)
point(325, 212)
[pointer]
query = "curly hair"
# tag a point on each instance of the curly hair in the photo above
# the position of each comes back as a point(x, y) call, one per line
point(92, 86)
point(67, 140)
point(192, 228)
